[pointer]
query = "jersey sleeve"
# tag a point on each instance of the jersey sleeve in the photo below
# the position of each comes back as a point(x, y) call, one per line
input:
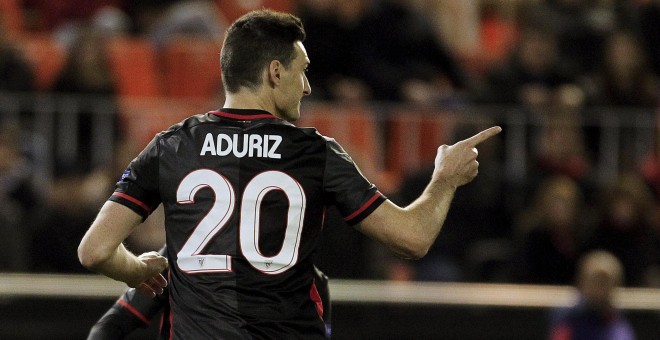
point(131, 311)
point(346, 188)
point(137, 188)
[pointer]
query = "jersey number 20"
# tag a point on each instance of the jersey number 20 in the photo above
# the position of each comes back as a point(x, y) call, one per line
point(191, 260)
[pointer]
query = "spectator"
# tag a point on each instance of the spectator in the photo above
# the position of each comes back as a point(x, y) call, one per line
point(559, 149)
point(499, 31)
point(407, 60)
point(550, 233)
point(87, 133)
point(594, 316)
point(334, 75)
point(623, 81)
point(624, 226)
point(532, 74)
point(16, 74)
point(456, 22)
point(580, 27)
point(388, 52)
point(161, 20)
point(64, 18)
point(87, 77)
point(48, 15)
point(623, 77)
point(20, 201)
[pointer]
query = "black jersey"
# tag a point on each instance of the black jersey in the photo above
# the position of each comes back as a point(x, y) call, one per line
point(244, 195)
point(131, 311)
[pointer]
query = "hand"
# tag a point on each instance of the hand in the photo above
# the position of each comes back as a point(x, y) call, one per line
point(155, 264)
point(457, 164)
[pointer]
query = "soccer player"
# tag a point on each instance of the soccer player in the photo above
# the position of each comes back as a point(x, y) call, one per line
point(244, 193)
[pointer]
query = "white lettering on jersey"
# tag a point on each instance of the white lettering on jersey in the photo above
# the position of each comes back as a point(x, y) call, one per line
point(262, 146)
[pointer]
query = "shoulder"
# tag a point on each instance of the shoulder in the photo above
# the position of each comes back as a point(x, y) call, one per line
point(330, 143)
point(309, 131)
point(187, 123)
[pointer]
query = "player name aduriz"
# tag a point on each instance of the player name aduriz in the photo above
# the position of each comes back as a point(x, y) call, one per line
point(252, 145)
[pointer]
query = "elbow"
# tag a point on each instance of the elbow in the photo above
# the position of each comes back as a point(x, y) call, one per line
point(417, 254)
point(413, 249)
point(86, 258)
point(90, 258)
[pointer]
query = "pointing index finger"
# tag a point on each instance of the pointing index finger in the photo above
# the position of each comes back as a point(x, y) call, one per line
point(483, 135)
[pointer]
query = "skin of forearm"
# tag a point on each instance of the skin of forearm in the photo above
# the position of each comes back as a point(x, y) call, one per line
point(428, 213)
point(121, 265)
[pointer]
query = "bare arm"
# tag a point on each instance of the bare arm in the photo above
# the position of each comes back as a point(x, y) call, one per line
point(101, 250)
point(410, 231)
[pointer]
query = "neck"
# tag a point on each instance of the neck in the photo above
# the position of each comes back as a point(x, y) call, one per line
point(248, 99)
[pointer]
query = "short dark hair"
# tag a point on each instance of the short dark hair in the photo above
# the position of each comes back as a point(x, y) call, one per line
point(253, 41)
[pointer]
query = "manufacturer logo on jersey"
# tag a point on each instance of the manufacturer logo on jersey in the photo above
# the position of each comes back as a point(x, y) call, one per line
point(126, 173)
point(251, 145)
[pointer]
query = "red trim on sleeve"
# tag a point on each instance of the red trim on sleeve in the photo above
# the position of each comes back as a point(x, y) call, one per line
point(132, 309)
point(171, 324)
point(134, 200)
point(363, 207)
point(316, 297)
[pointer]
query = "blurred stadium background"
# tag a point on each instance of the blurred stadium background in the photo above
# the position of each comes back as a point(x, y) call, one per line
point(84, 85)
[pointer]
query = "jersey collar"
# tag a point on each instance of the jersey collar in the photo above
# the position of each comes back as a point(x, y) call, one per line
point(243, 114)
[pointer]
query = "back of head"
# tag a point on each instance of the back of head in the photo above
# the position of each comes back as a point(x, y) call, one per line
point(253, 41)
point(598, 274)
point(558, 202)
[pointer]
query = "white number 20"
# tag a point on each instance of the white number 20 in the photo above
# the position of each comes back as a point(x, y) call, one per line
point(191, 260)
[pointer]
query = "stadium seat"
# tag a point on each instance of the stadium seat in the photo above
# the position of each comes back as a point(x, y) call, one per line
point(498, 39)
point(191, 67)
point(134, 64)
point(233, 9)
point(358, 130)
point(11, 17)
point(160, 114)
point(45, 56)
point(354, 127)
point(414, 136)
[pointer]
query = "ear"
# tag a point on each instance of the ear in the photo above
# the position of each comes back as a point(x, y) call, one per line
point(274, 72)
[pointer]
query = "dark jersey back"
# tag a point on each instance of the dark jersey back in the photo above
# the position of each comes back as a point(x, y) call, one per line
point(244, 195)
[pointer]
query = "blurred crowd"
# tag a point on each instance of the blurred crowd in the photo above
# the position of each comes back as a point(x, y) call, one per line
point(556, 60)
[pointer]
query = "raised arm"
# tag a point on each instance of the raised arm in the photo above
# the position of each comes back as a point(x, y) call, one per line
point(410, 231)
